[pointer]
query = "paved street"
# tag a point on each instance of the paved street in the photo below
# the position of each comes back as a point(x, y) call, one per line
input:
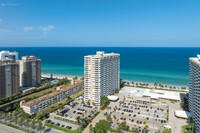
point(7, 129)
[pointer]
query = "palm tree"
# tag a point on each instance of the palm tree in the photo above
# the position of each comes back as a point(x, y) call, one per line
point(33, 124)
point(39, 126)
point(15, 120)
point(191, 126)
point(78, 119)
point(64, 95)
point(21, 121)
point(10, 117)
point(55, 99)
point(27, 123)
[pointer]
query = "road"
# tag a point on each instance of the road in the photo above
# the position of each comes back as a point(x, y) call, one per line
point(7, 129)
point(175, 122)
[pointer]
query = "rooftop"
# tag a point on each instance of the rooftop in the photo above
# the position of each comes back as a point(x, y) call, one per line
point(195, 60)
point(182, 114)
point(45, 97)
point(112, 97)
point(156, 94)
point(102, 54)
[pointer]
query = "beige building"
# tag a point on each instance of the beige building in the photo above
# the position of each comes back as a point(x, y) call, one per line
point(194, 91)
point(30, 71)
point(9, 77)
point(39, 104)
point(101, 76)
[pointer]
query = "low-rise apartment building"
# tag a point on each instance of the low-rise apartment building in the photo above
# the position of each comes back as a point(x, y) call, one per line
point(39, 104)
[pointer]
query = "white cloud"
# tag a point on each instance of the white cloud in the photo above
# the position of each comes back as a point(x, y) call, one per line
point(47, 29)
point(0, 20)
point(9, 4)
point(27, 28)
point(4, 30)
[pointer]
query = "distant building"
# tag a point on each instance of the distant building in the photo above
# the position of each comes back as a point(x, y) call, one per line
point(101, 76)
point(194, 91)
point(4, 55)
point(39, 104)
point(30, 71)
point(9, 78)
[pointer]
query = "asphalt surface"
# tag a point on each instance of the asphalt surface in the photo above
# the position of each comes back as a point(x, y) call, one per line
point(7, 129)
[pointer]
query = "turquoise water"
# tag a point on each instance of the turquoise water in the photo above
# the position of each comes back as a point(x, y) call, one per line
point(161, 65)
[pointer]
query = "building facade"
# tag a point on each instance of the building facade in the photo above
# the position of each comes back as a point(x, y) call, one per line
point(194, 91)
point(39, 104)
point(101, 76)
point(30, 71)
point(9, 78)
point(8, 55)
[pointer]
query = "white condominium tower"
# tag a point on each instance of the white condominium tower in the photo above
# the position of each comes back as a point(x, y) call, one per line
point(101, 76)
point(194, 91)
point(5, 55)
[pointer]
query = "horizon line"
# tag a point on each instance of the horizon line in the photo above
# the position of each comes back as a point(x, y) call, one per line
point(95, 47)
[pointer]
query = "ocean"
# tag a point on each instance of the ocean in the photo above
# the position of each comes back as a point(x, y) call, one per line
point(149, 64)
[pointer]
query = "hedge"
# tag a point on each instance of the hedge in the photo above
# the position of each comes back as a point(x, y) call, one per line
point(60, 128)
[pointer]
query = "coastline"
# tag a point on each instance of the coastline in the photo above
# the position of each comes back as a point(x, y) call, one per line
point(60, 76)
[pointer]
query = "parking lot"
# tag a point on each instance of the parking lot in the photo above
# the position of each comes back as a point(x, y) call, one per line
point(62, 123)
point(139, 113)
point(81, 111)
point(67, 117)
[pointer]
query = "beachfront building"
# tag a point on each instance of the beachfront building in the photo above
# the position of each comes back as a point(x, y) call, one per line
point(194, 91)
point(9, 77)
point(30, 71)
point(161, 94)
point(39, 104)
point(101, 76)
point(4, 55)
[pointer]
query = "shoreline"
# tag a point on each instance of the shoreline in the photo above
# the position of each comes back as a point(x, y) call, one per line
point(60, 76)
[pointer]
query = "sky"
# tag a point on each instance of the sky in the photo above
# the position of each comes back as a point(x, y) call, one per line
point(94, 23)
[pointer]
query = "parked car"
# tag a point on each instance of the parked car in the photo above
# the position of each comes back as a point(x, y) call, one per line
point(63, 126)
point(47, 129)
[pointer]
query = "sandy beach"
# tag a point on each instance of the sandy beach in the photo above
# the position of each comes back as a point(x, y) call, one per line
point(71, 76)
point(60, 76)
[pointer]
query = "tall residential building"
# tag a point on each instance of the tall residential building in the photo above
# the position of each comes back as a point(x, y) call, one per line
point(9, 78)
point(194, 91)
point(30, 71)
point(101, 76)
point(4, 55)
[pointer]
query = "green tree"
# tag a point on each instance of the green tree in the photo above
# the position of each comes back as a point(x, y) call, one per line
point(123, 126)
point(108, 118)
point(101, 127)
point(90, 128)
point(51, 77)
point(114, 116)
point(78, 119)
point(88, 102)
point(166, 131)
